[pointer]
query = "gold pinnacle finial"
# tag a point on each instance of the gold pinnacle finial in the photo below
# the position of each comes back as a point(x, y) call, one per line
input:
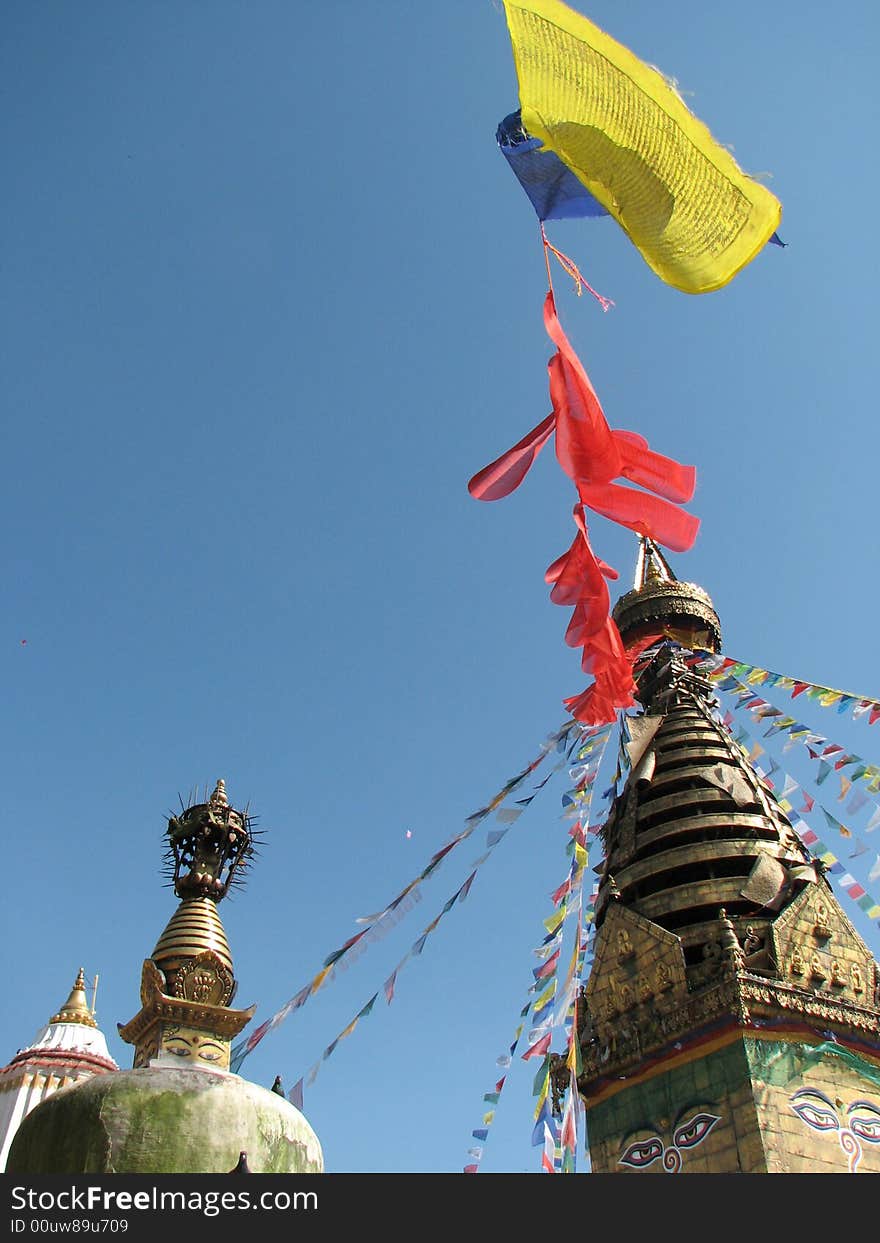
point(651, 566)
point(219, 798)
point(76, 1009)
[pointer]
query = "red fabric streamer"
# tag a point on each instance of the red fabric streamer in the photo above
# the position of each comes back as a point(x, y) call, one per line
point(506, 473)
point(593, 456)
point(644, 514)
point(578, 579)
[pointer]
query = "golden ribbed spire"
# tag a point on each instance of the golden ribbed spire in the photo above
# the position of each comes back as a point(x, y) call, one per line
point(193, 928)
point(76, 1009)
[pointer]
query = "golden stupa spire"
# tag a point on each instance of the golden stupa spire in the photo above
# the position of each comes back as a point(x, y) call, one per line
point(651, 565)
point(219, 797)
point(76, 1009)
point(188, 983)
point(660, 604)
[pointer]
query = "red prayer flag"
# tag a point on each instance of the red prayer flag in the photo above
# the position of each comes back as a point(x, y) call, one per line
point(547, 968)
point(560, 893)
point(539, 1049)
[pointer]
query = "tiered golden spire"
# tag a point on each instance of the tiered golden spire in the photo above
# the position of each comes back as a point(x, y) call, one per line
point(76, 1009)
point(187, 983)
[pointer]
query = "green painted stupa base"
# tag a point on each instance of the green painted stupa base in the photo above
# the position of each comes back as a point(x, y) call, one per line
point(164, 1121)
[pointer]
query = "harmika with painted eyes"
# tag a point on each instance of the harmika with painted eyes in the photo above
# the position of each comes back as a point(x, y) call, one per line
point(190, 1045)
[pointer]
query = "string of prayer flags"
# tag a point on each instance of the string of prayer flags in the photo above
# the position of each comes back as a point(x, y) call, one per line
point(378, 923)
point(831, 758)
point(569, 1127)
point(585, 772)
point(856, 892)
point(388, 988)
point(503, 1062)
point(792, 787)
point(584, 737)
point(717, 668)
point(563, 899)
point(819, 849)
point(548, 1151)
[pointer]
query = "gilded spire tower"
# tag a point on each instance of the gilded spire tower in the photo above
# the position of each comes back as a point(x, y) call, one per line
point(731, 1021)
point(187, 983)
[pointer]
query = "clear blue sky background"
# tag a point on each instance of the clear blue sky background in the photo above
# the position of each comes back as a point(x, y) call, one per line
point(270, 295)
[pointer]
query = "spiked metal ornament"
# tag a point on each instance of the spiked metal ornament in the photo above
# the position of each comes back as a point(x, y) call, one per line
point(209, 846)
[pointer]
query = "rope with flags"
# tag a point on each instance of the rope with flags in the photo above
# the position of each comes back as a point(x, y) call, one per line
point(562, 740)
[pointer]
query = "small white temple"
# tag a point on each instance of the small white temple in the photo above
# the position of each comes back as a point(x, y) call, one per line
point(70, 1048)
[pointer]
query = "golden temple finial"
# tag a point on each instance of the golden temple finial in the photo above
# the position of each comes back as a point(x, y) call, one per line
point(76, 1009)
point(651, 565)
point(659, 604)
point(219, 798)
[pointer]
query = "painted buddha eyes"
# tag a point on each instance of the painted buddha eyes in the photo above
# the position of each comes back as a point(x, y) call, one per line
point(642, 1153)
point(863, 1118)
point(688, 1134)
point(864, 1121)
point(210, 1053)
point(694, 1130)
point(195, 1050)
point(179, 1046)
point(815, 1114)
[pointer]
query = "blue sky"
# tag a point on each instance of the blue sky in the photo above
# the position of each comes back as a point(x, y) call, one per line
point(271, 295)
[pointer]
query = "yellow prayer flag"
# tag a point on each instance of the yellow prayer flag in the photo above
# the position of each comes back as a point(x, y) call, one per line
point(350, 1028)
point(319, 979)
point(552, 922)
point(624, 131)
point(548, 993)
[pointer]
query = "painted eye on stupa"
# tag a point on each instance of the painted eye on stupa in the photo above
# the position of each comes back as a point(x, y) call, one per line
point(866, 1122)
point(210, 1053)
point(816, 1110)
point(642, 1153)
point(695, 1130)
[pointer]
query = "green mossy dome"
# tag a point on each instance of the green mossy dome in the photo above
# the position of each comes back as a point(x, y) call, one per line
point(164, 1121)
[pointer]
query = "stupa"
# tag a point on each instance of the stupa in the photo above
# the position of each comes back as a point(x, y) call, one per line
point(731, 1019)
point(179, 1110)
point(70, 1048)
